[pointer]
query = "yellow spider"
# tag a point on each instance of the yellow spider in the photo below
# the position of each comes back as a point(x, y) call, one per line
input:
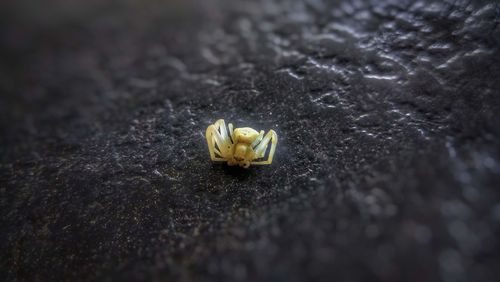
point(241, 146)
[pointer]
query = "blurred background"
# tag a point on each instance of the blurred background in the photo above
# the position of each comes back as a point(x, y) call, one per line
point(387, 166)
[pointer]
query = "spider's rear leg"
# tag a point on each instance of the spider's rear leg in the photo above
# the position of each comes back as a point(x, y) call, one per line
point(260, 150)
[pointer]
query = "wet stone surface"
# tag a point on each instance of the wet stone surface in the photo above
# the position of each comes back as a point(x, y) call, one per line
point(387, 166)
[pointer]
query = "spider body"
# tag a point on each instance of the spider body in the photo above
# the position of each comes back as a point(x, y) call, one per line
point(241, 146)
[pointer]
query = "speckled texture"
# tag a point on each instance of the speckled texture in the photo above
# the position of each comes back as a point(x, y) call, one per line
point(387, 168)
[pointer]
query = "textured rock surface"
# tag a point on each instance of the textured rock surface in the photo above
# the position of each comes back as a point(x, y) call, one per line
point(387, 168)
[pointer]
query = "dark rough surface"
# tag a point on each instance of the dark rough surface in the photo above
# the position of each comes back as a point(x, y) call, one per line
point(387, 168)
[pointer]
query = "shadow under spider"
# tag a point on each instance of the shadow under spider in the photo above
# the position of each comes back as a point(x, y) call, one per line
point(238, 172)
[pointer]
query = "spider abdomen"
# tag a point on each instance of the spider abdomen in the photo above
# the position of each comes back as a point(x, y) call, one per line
point(245, 135)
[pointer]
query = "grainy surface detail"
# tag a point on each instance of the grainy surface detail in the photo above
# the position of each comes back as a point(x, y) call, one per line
point(387, 166)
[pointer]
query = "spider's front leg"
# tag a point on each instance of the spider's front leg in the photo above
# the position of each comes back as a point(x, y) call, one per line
point(260, 150)
point(219, 142)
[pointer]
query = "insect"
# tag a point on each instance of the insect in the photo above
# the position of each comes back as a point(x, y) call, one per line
point(242, 146)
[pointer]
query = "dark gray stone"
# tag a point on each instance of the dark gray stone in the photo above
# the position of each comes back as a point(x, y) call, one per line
point(387, 166)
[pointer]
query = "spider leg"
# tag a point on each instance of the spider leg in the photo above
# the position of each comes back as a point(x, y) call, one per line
point(220, 125)
point(260, 150)
point(257, 141)
point(231, 131)
point(226, 146)
point(217, 135)
point(211, 140)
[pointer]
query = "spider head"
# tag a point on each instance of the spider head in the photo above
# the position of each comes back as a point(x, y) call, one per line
point(243, 154)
